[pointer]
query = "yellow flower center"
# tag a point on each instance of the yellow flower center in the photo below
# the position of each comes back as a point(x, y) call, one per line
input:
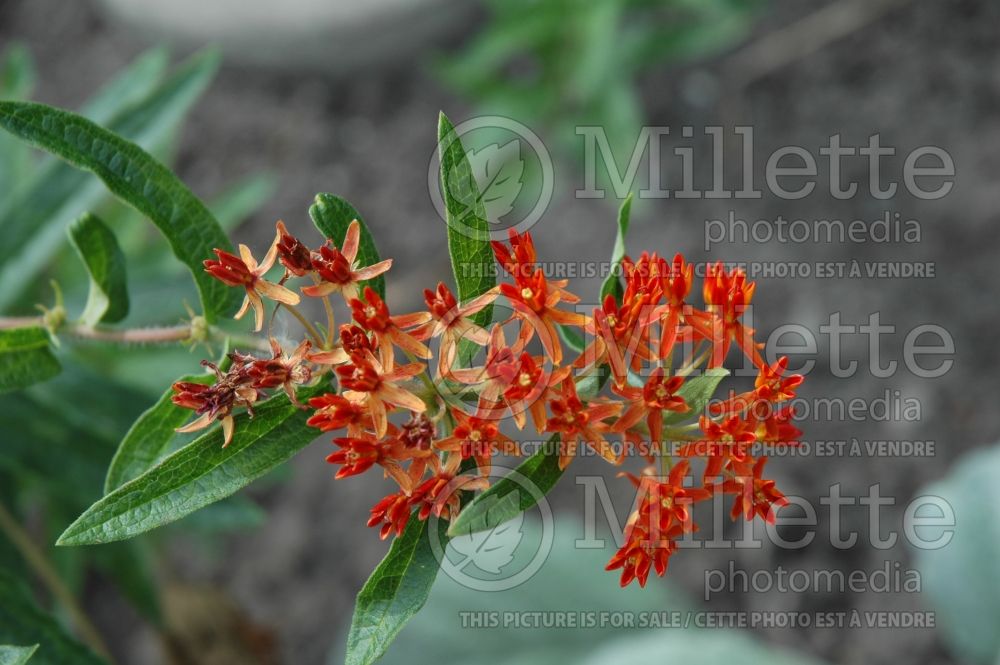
point(524, 379)
point(527, 293)
point(370, 311)
point(475, 435)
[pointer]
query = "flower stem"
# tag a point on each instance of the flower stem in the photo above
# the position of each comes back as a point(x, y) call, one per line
point(40, 565)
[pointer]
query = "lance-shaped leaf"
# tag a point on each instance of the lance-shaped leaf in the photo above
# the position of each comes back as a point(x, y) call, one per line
point(107, 300)
point(149, 438)
point(198, 474)
point(468, 228)
point(332, 215)
point(136, 105)
point(10, 655)
point(21, 622)
point(509, 497)
point(139, 180)
point(612, 284)
point(396, 590)
point(696, 392)
point(25, 358)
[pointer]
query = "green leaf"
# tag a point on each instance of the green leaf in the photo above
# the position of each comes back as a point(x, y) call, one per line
point(139, 180)
point(21, 621)
point(25, 358)
point(149, 438)
point(16, 655)
point(33, 220)
point(696, 392)
point(961, 578)
point(572, 338)
point(198, 474)
point(507, 498)
point(468, 229)
point(612, 283)
point(17, 79)
point(396, 590)
point(332, 215)
point(107, 301)
point(242, 199)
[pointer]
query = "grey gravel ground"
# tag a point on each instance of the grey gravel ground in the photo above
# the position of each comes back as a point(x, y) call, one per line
point(926, 73)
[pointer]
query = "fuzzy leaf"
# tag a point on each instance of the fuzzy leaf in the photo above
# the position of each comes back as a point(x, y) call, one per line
point(21, 621)
point(332, 215)
point(198, 474)
point(696, 392)
point(396, 590)
point(149, 437)
point(16, 655)
point(25, 358)
point(612, 283)
point(94, 242)
point(139, 180)
point(507, 498)
point(468, 229)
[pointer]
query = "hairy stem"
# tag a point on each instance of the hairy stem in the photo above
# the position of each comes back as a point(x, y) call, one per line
point(42, 568)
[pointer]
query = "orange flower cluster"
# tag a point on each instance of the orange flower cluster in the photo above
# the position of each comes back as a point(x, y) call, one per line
point(647, 345)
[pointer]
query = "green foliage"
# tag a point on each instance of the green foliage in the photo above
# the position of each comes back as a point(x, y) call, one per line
point(25, 358)
point(97, 247)
point(696, 392)
point(612, 283)
point(21, 621)
point(198, 474)
point(396, 590)
point(961, 578)
point(332, 215)
point(468, 227)
point(138, 179)
point(149, 438)
point(507, 498)
point(562, 64)
point(16, 655)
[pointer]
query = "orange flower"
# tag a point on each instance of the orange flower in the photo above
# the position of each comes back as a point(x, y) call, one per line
point(365, 379)
point(217, 402)
point(358, 454)
point(476, 438)
point(650, 401)
point(576, 422)
point(292, 254)
point(534, 298)
point(337, 412)
point(725, 443)
point(619, 332)
point(243, 270)
point(393, 513)
point(282, 370)
point(372, 314)
point(728, 295)
point(771, 386)
point(755, 495)
point(441, 493)
point(338, 268)
point(453, 323)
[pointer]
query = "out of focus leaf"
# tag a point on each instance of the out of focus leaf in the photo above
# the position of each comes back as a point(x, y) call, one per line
point(197, 475)
point(10, 655)
point(332, 215)
point(25, 358)
point(107, 301)
point(22, 622)
point(396, 590)
point(612, 283)
point(508, 498)
point(17, 79)
point(35, 216)
point(961, 578)
point(468, 229)
point(138, 179)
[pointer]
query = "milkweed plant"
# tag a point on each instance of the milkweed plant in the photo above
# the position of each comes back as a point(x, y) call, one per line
point(414, 400)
